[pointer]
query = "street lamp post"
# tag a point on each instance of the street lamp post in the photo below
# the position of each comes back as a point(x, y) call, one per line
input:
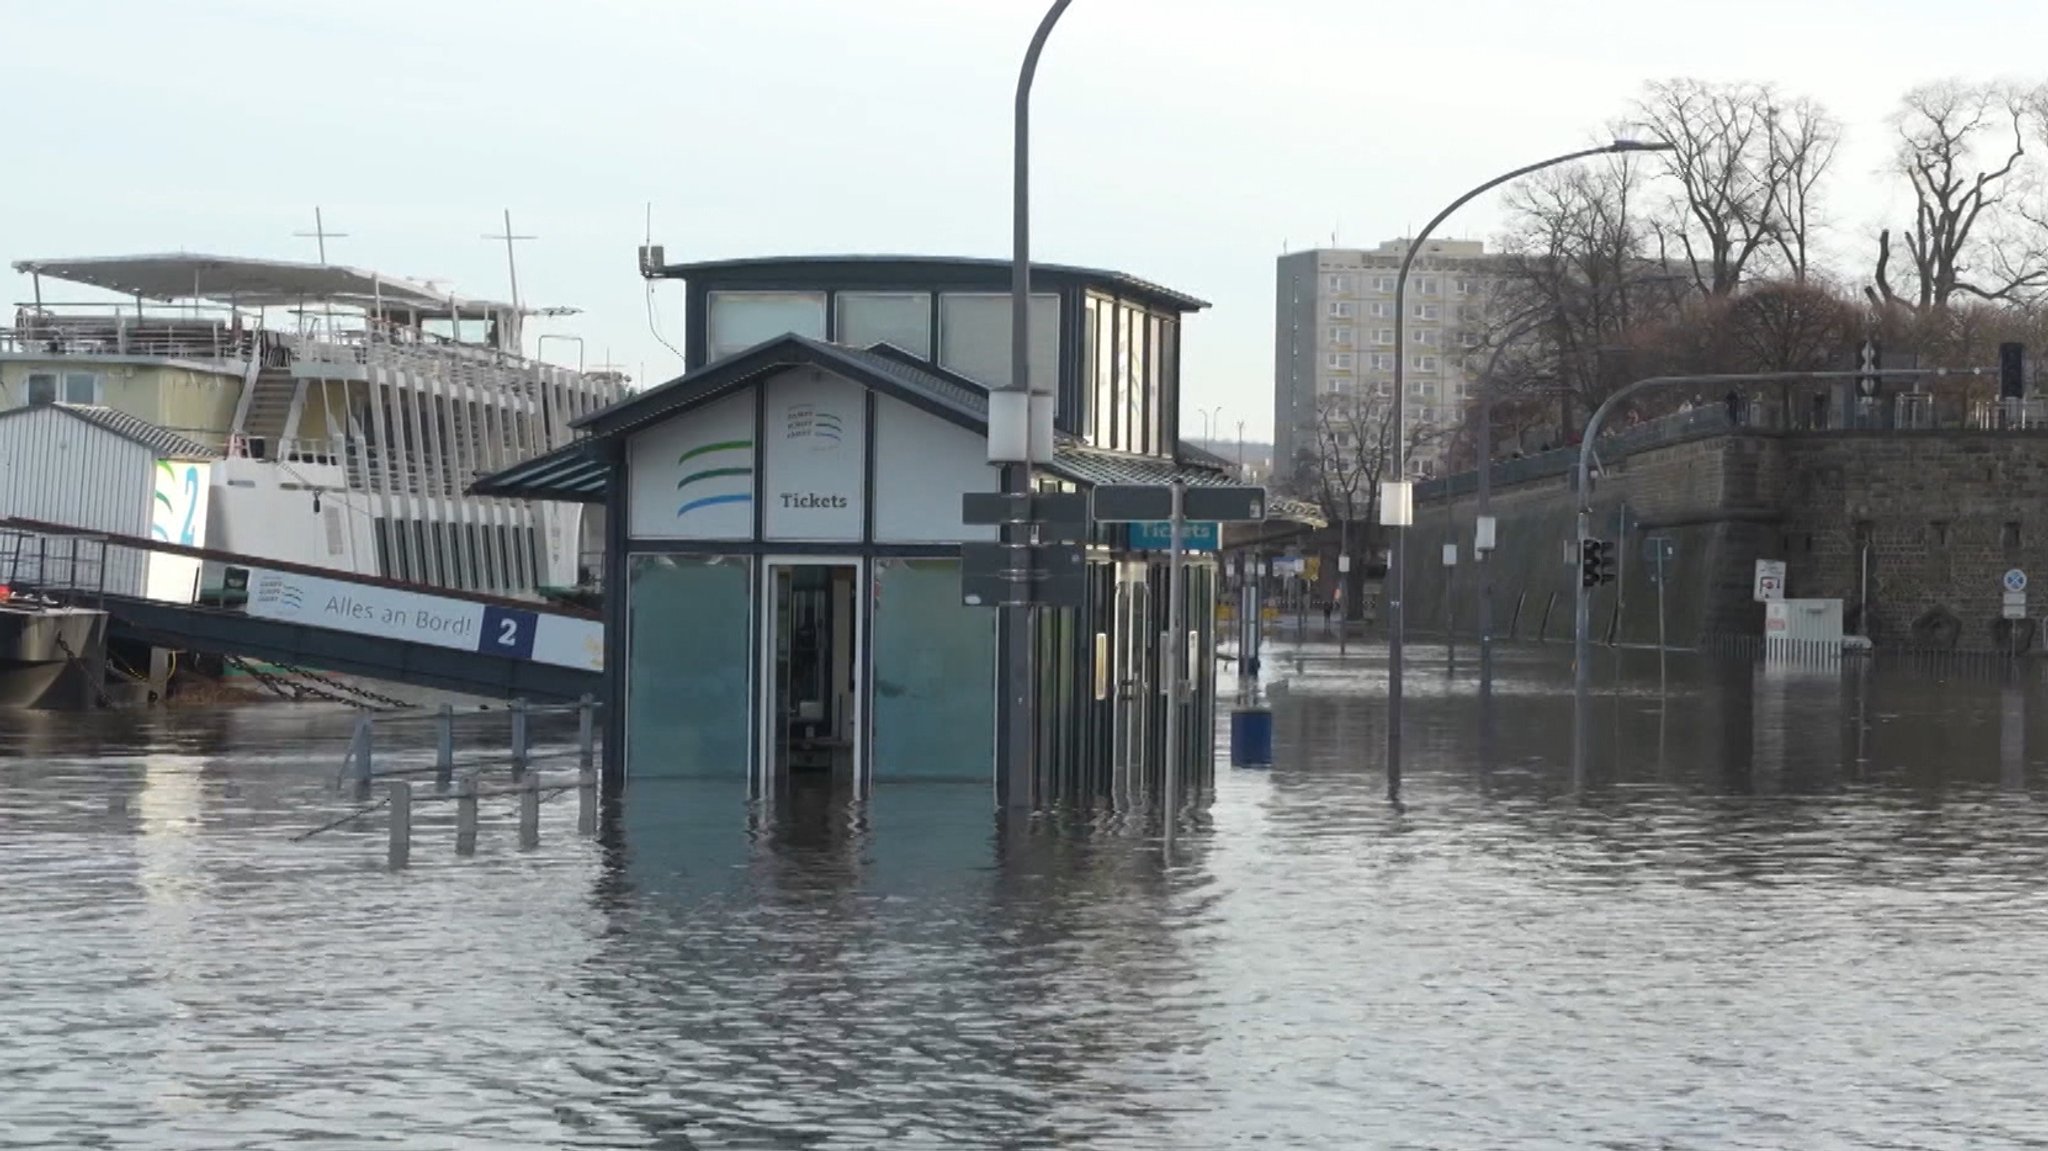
point(1017, 448)
point(1401, 509)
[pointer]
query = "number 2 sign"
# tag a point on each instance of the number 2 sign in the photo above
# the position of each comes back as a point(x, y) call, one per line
point(507, 632)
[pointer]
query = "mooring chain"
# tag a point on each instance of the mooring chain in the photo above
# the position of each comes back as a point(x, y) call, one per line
point(99, 688)
point(349, 688)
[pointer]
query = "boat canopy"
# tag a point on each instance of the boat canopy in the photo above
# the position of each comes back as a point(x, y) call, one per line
point(184, 276)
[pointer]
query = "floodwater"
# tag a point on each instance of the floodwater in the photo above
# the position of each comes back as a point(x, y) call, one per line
point(1803, 909)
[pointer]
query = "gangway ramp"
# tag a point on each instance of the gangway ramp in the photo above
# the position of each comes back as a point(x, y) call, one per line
point(306, 616)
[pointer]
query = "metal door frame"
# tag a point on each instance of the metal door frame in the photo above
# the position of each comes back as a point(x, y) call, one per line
point(765, 687)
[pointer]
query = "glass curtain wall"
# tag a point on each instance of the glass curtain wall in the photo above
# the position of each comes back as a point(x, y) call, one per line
point(688, 640)
point(933, 675)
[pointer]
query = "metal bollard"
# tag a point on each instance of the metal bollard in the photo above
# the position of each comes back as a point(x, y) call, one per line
point(465, 816)
point(529, 811)
point(518, 736)
point(586, 802)
point(359, 751)
point(586, 732)
point(401, 824)
point(444, 748)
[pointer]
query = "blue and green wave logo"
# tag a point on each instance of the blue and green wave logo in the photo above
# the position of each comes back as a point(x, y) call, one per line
point(821, 426)
point(703, 467)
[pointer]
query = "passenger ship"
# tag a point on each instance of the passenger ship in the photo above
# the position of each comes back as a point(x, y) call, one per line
point(350, 409)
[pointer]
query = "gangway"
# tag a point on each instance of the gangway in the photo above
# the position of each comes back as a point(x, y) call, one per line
point(306, 616)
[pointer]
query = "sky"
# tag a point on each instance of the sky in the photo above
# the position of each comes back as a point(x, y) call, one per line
point(1189, 142)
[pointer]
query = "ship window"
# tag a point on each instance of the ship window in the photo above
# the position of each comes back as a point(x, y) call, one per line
point(81, 388)
point(42, 389)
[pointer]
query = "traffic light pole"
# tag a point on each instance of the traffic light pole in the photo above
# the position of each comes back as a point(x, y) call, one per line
point(1582, 630)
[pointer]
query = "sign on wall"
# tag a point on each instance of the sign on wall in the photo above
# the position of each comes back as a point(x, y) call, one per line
point(1770, 581)
point(387, 613)
point(692, 477)
point(178, 503)
point(814, 458)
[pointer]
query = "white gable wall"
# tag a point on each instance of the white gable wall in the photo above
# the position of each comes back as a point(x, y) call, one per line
point(922, 465)
point(692, 477)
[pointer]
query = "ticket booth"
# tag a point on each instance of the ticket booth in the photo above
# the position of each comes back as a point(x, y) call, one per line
point(782, 563)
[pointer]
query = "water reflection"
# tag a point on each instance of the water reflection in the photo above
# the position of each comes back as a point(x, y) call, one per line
point(1805, 905)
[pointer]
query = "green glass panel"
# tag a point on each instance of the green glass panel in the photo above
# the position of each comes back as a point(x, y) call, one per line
point(934, 675)
point(686, 673)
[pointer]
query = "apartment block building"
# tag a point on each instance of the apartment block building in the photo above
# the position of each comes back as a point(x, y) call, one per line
point(1334, 337)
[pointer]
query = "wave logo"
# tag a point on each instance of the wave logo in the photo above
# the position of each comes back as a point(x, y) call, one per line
point(715, 475)
point(822, 427)
point(274, 591)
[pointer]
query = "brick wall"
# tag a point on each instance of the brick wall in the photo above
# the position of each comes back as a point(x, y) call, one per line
point(1944, 514)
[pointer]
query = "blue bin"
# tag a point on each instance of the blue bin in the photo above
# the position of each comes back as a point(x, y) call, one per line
point(1251, 737)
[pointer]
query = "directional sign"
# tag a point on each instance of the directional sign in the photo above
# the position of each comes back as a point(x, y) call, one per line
point(1062, 516)
point(1157, 535)
point(1004, 574)
point(2015, 580)
point(1233, 504)
point(1129, 502)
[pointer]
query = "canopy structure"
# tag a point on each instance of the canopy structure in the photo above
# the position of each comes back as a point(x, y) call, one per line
point(183, 276)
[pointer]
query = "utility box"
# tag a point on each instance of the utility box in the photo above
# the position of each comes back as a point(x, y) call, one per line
point(1802, 630)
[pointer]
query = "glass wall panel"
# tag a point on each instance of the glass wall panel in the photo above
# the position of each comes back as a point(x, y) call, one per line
point(1105, 413)
point(739, 320)
point(934, 675)
point(900, 318)
point(1130, 359)
point(686, 671)
point(974, 338)
point(1155, 389)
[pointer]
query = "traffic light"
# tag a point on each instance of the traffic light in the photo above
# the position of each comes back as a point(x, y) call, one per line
point(2012, 368)
point(1596, 562)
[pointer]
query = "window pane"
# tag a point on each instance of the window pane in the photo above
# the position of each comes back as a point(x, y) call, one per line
point(686, 668)
point(42, 389)
point(1130, 326)
point(934, 673)
point(974, 338)
point(1155, 391)
point(1105, 390)
point(739, 320)
point(900, 318)
point(81, 388)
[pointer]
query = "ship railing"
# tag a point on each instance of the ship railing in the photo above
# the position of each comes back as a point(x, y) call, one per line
point(108, 333)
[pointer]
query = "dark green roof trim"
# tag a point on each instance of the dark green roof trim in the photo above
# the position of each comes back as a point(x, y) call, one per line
point(927, 273)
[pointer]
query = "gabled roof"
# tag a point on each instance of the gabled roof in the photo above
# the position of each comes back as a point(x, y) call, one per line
point(936, 272)
point(577, 472)
point(166, 443)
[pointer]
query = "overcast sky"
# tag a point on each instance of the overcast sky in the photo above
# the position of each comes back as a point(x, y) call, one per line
point(1186, 141)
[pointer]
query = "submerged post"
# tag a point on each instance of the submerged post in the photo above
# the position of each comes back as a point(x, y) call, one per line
point(465, 816)
point(529, 810)
point(444, 747)
point(359, 754)
point(518, 736)
point(586, 802)
point(586, 732)
point(401, 824)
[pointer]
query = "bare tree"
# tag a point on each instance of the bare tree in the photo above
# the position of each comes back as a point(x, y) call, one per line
point(1960, 212)
point(1352, 454)
point(1803, 140)
point(1578, 275)
point(1723, 141)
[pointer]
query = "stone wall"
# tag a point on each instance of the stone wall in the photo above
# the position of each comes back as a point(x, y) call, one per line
point(1944, 513)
